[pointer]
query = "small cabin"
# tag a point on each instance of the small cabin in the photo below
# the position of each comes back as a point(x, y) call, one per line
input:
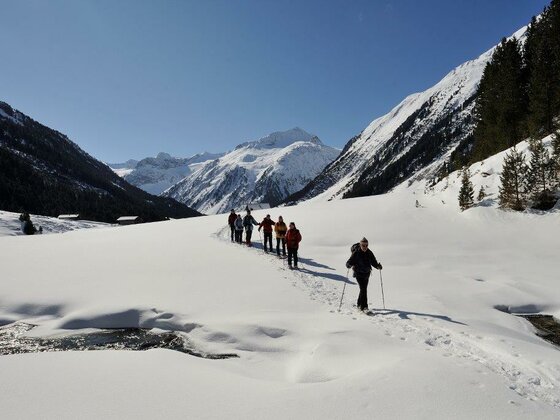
point(258, 206)
point(129, 220)
point(69, 217)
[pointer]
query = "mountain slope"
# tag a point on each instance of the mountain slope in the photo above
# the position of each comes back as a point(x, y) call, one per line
point(266, 170)
point(155, 175)
point(425, 127)
point(43, 172)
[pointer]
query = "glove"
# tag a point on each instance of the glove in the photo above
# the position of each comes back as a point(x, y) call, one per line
point(379, 266)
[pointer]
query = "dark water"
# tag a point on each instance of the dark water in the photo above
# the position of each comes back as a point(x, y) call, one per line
point(547, 327)
point(14, 341)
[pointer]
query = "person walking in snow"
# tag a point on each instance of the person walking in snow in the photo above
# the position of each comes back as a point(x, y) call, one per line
point(231, 221)
point(361, 261)
point(238, 224)
point(266, 226)
point(248, 222)
point(293, 238)
point(280, 229)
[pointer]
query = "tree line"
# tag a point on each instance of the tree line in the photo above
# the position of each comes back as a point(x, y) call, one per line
point(519, 93)
point(524, 183)
point(519, 98)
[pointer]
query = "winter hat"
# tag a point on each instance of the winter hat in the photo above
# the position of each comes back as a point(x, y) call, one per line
point(364, 240)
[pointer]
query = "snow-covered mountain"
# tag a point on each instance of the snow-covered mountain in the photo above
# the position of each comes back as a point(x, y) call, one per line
point(264, 171)
point(43, 172)
point(420, 132)
point(155, 175)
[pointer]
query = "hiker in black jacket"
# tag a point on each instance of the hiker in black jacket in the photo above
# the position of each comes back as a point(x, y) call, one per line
point(361, 262)
point(248, 222)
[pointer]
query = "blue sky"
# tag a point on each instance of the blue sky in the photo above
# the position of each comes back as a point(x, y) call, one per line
point(127, 79)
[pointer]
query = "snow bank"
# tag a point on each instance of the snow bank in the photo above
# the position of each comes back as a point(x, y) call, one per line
point(441, 349)
point(11, 226)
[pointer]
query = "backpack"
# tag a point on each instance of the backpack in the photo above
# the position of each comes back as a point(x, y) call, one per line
point(355, 247)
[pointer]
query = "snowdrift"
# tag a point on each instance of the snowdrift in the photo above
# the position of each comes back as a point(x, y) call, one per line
point(441, 349)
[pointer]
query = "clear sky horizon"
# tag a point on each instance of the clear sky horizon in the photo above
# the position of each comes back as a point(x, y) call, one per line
point(127, 79)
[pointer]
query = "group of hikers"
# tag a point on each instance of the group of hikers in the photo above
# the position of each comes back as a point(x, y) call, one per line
point(287, 237)
point(361, 260)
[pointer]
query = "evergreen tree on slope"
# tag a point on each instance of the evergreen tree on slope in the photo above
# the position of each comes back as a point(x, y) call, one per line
point(540, 177)
point(555, 160)
point(513, 179)
point(502, 101)
point(466, 193)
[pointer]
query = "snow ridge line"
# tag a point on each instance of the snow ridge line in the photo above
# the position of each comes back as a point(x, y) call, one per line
point(430, 333)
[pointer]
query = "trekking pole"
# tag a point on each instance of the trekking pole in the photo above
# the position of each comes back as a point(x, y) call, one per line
point(260, 237)
point(343, 289)
point(382, 293)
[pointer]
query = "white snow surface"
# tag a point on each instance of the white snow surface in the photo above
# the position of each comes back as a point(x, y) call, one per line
point(485, 173)
point(440, 350)
point(279, 164)
point(11, 226)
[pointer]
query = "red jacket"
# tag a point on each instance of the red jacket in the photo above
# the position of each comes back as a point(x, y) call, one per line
point(231, 218)
point(293, 238)
point(266, 224)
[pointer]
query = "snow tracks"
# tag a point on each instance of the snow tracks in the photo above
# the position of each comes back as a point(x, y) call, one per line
point(451, 339)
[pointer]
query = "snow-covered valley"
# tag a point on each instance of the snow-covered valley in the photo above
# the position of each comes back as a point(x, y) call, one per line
point(441, 349)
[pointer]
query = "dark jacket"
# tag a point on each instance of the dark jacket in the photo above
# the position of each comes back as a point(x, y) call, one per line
point(362, 262)
point(266, 224)
point(248, 222)
point(293, 238)
point(231, 218)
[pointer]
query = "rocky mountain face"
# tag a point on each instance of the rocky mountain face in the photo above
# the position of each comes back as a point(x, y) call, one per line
point(262, 171)
point(155, 175)
point(414, 140)
point(43, 172)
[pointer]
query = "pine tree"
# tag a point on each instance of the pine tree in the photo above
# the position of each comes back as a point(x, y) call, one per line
point(513, 179)
point(481, 194)
point(555, 160)
point(501, 105)
point(539, 176)
point(542, 58)
point(466, 193)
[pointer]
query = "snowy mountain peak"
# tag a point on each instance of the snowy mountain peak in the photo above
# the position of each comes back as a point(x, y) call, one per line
point(412, 140)
point(281, 139)
point(155, 175)
point(262, 171)
point(163, 156)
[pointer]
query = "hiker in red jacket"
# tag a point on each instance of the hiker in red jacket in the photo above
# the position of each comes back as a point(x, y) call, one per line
point(293, 238)
point(231, 223)
point(266, 226)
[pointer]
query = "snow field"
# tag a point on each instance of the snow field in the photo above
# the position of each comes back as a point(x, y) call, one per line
point(11, 226)
point(439, 350)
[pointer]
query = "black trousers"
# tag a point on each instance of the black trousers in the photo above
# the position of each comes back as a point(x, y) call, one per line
point(292, 253)
point(267, 239)
point(232, 227)
point(238, 234)
point(363, 280)
point(283, 240)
